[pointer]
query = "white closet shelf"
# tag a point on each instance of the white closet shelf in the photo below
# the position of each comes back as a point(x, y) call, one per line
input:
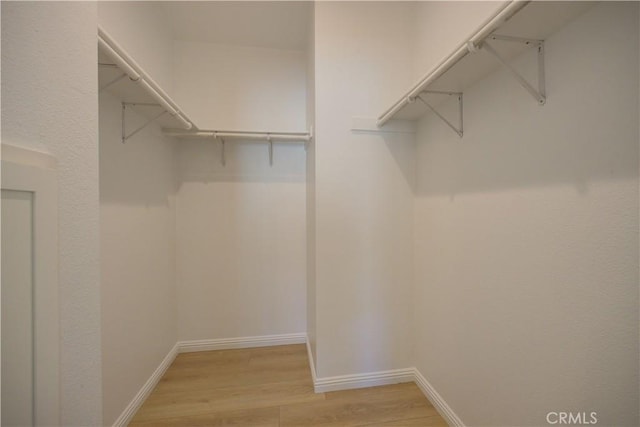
point(516, 26)
point(120, 75)
point(226, 135)
point(242, 135)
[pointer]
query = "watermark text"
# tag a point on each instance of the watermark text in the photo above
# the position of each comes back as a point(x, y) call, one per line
point(572, 418)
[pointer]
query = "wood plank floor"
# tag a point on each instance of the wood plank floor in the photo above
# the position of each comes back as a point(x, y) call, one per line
point(272, 387)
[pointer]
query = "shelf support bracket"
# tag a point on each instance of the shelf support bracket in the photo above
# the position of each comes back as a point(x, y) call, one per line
point(112, 82)
point(539, 94)
point(459, 129)
point(125, 137)
point(308, 141)
point(270, 149)
point(223, 159)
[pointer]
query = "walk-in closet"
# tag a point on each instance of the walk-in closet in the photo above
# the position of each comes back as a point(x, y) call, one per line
point(329, 213)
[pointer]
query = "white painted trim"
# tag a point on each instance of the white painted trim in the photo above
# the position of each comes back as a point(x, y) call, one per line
point(28, 156)
point(241, 342)
point(436, 400)
point(370, 379)
point(26, 169)
point(312, 365)
point(373, 379)
point(146, 389)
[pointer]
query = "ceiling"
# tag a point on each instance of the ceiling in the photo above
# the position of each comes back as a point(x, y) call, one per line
point(269, 24)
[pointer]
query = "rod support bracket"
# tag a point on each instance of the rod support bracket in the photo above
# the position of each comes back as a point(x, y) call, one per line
point(112, 82)
point(270, 141)
point(223, 157)
point(126, 136)
point(472, 47)
point(538, 94)
point(457, 129)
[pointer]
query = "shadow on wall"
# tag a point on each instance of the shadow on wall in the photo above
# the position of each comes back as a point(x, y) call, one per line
point(403, 149)
point(401, 146)
point(587, 131)
point(244, 161)
point(240, 239)
point(142, 170)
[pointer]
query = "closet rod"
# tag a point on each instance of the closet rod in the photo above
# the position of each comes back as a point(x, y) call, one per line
point(508, 10)
point(266, 136)
point(135, 73)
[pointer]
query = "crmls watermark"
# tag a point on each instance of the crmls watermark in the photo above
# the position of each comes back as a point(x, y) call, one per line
point(572, 418)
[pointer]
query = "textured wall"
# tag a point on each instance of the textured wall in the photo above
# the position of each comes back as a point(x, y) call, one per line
point(526, 235)
point(50, 100)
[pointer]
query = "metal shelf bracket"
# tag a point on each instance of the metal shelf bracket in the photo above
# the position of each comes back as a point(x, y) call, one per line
point(270, 137)
point(270, 149)
point(223, 158)
point(308, 141)
point(112, 82)
point(115, 80)
point(539, 94)
point(125, 137)
point(457, 129)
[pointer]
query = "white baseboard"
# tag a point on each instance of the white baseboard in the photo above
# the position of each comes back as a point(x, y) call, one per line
point(312, 365)
point(346, 382)
point(146, 389)
point(436, 400)
point(241, 342)
point(371, 379)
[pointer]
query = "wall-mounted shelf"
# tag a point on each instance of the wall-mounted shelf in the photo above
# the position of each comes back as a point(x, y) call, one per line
point(517, 26)
point(120, 75)
point(242, 135)
point(226, 135)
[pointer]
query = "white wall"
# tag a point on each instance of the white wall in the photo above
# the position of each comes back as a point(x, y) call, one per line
point(241, 87)
point(434, 41)
point(137, 192)
point(526, 237)
point(137, 250)
point(363, 189)
point(143, 30)
point(241, 235)
point(49, 100)
point(240, 241)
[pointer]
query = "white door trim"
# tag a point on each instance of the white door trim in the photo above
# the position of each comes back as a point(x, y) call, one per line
point(34, 171)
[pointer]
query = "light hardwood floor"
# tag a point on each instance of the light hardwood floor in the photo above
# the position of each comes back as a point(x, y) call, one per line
point(272, 387)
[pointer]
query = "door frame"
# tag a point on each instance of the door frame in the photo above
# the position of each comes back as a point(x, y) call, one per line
point(25, 169)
